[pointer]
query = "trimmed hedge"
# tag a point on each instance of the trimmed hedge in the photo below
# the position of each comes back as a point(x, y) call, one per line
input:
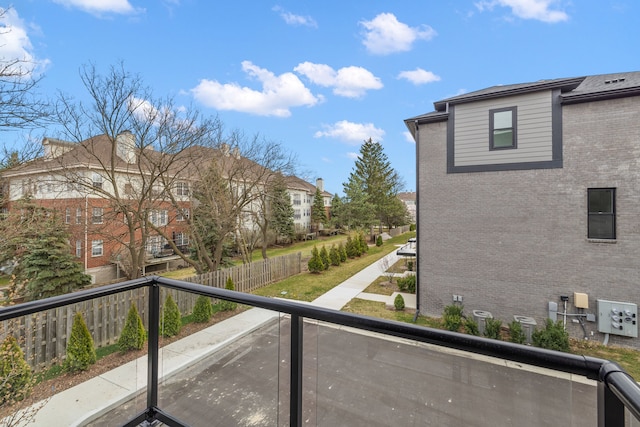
point(202, 310)
point(81, 352)
point(170, 322)
point(133, 334)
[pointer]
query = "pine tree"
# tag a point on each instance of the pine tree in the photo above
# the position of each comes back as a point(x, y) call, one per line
point(202, 310)
point(133, 335)
point(170, 323)
point(229, 305)
point(342, 252)
point(282, 212)
point(15, 373)
point(81, 352)
point(318, 213)
point(315, 263)
point(334, 256)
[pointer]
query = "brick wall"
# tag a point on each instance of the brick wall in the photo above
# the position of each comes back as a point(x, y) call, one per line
point(511, 241)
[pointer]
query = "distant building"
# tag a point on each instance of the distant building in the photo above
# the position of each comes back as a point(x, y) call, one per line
point(409, 200)
point(302, 194)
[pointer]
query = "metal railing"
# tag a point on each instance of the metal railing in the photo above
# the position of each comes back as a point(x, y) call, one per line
point(617, 392)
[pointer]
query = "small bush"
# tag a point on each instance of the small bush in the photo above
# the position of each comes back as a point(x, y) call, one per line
point(412, 227)
point(471, 327)
point(315, 262)
point(410, 265)
point(170, 323)
point(452, 317)
point(15, 373)
point(407, 284)
point(516, 333)
point(228, 305)
point(202, 310)
point(364, 247)
point(334, 256)
point(552, 337)
point(492, 328)
point(398, 302)
point(379, 241)
point(81, 352)
point(133, 335)
point(324, 256)
point(352, 248)
point(342, 252)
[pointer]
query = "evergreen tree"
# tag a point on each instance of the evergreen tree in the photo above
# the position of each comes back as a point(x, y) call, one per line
point(324, 257)
point(228, 305)
point(342, 252)
point(318, 213)
point(170, 323)
point(352, 248)
point(373, 181)
point(282, 212)
point(133, 335)
point(81, 352)
point(15, 373)
point(36, 239)
point(202, 310)
point(337, 219)
point(334, 256)
point(315, 262)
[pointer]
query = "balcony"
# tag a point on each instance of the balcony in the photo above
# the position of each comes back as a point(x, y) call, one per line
point(292, 364)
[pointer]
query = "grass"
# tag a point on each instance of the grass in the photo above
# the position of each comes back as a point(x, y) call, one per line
point(382, 286)
point(4, 280)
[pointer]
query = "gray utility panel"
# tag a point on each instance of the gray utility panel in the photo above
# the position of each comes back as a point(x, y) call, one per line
point(619, 318)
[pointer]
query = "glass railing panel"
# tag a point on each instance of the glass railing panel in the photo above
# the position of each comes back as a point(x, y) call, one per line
point(375, 380)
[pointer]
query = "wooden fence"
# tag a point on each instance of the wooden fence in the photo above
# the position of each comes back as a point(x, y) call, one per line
point(43, 335)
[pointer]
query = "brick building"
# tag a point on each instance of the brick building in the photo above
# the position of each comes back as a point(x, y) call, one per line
point(529, 204)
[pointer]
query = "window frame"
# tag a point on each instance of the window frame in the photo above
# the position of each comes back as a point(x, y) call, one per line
point(601, 214)
point(514, 128)
point(97, 180)
point(97, 215)
point(95, 245)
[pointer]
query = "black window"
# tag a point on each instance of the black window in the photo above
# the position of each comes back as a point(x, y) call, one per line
point(602, 213)
point(502, 128)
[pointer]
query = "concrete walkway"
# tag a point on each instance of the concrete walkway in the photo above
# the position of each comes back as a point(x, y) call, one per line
point(87, 401)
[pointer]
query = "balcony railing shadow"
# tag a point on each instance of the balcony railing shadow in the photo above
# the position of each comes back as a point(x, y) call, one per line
point(309, 335)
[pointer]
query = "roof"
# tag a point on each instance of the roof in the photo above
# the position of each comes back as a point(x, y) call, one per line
point(573, 90)
point(295, 183)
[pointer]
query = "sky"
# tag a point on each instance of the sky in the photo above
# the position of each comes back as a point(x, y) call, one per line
point(320, 78)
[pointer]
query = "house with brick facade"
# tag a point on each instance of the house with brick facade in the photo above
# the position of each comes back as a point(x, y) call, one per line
point(102, 185)
point(529, 204)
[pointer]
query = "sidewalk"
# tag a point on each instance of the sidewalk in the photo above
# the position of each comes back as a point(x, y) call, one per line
point(87, 401)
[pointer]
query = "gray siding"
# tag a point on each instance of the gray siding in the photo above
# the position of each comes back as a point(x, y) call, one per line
point(512, 241)
point(534, 132)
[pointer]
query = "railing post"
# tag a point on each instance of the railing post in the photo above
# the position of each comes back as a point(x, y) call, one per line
point(610, 408)
point(152, 354)
point(295, 392)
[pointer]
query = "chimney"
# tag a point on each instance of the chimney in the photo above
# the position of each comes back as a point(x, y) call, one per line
point(320, 184)
point(126, 146)
point(55, 147)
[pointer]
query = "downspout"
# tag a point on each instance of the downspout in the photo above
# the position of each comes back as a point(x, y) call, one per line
point(417, 138)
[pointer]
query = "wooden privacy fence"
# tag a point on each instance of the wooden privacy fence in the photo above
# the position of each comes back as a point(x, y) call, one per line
point(43, 335)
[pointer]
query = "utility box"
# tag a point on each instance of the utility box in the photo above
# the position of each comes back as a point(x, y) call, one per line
point(528, 326)
point(481, 316)
point(619, 318)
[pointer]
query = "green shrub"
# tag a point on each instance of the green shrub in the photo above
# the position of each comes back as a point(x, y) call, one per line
point(492, 328)
point(452, 317)
point(471, 326)
point(352, 248)
point(410, 265)
point(228, 305)
point(412, 227)
point(81, 352)
point(133, 334)
point(398, 302)
point(324, 256)
point(315, 262)
point(516, 333)
point(552, 337)
point(170, 322)
point(379, 241)
point(16, 378)
point(342, 252)
point(334, 256)
point(364, 247)
point(407, 284)
point(202, 310)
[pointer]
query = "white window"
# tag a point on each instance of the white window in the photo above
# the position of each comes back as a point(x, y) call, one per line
point(155, 244)
point(78, 248)
point(182, 188)
point(79, 216)
point(97, 247)
point(96, 180)
point(159, 217)
point(181, 214)
point(296, 200)
point(296, 214)
point(96, 217)
point(181, 239)
point(67, 215)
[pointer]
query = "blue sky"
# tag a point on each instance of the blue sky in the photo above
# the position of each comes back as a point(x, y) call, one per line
point(321, 77)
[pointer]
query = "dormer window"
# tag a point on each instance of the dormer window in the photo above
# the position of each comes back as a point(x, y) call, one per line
point(502, 128)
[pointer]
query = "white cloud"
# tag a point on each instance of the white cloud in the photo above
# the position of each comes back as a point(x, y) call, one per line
point(419, 76)
point(350, 82)
point(351, 133)
point(295, 20)
point(98, 7)
point(527, 9)
point(277, 96)
point(353, 156)
point(385, 34)
point(15, 45)
point(409, 137)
